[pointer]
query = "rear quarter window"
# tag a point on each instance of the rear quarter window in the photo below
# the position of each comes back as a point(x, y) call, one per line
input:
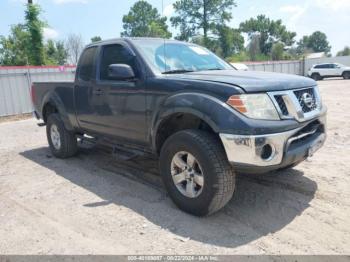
point(87, 64)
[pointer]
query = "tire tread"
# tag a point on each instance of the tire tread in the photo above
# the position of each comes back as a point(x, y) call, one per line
point(69, 146)
point(223, 170)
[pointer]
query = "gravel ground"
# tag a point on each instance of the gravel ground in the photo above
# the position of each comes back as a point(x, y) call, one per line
point(94, 204)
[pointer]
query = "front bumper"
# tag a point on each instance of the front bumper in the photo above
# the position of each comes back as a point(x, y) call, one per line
point(264, 153)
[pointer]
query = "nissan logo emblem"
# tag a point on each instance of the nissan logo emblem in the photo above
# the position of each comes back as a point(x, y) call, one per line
point(308, 100)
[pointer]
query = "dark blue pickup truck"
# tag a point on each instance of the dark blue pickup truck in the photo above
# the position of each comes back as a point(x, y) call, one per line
point(205, 120)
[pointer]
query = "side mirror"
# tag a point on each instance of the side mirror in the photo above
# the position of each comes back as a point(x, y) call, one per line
point(120, 72)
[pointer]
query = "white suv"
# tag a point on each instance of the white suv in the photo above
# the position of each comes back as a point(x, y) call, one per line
point(320, 71)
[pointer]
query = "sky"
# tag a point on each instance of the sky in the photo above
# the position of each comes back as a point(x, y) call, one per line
point(104, 17)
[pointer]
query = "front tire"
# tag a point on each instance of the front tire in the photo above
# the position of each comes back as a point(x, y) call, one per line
point(62, 142)
point(346, 75)
point(196, 172)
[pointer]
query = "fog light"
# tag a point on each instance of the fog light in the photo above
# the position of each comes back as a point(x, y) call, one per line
point(267, 152)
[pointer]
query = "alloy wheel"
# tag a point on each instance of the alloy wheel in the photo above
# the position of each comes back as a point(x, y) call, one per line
point(187, 174)
point(55, 137)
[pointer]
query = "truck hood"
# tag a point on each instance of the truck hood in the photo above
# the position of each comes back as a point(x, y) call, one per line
point(252, 81)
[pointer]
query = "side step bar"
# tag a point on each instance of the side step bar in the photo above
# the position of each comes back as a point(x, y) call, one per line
point(119, 152)
point(125, 154)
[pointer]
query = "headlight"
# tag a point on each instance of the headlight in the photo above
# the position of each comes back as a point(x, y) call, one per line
point(257, 106)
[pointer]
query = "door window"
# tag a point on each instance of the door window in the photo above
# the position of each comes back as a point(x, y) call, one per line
point(87, 64)
point(115, 54)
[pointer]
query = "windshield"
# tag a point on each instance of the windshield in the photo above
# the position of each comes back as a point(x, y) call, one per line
point(177, 57)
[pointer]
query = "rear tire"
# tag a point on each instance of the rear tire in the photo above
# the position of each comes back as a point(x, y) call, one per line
point(218, 178)
point(346, 75)
point(316, 77)
point(62, 142)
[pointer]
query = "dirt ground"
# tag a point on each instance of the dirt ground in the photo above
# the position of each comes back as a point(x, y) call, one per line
point(4, 119)
point(93, 204)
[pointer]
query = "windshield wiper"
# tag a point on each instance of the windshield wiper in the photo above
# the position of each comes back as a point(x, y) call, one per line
point(177, 71)
point(215, 68)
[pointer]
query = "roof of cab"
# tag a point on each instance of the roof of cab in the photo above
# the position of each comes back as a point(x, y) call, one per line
point(130, 39)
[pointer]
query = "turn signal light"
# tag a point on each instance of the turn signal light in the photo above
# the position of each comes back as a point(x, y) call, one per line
point(237, 103)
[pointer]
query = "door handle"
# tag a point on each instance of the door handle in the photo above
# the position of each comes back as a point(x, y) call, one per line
point(98, 92)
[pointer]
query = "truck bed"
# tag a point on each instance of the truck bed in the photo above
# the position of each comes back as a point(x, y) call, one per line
point(43, 91)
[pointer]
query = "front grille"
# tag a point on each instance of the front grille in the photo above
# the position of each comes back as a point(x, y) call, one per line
point(301, 94)
point(300, 104)
point(281, 105)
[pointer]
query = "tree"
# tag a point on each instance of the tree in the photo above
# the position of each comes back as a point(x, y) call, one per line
point(195, 17)
point(210, 43)
point(25, 44)
point(292, 53)
point(157, 30)
point(95, 39)
point(14, 48)
point(231, 41)
point(316, 42)
point(144, 21)
point(35, 26)
point(56, 53)
point(277, 51)
point(269, 32)
point(62, 53)
point(302, 46)
point(240, 57)
point(254, 47)
point(344, 52)
point(50, 52)
point(74, 46)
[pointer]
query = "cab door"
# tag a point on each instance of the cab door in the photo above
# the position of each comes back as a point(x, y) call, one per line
point(85, 93)
point(123, 110)
point(322, 69)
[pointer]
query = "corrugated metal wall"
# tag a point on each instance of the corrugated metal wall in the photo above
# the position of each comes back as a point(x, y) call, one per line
point(287, 67)
point(15, 83)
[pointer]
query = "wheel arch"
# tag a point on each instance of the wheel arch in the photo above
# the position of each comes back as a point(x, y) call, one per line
point(53, 104)
point(346, 72)
point(178, 121)
point(188, 111)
